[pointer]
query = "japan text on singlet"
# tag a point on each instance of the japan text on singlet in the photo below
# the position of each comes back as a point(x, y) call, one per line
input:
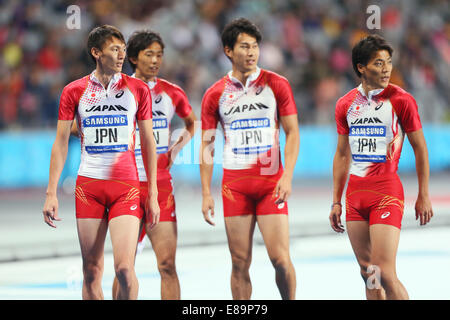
point(376, 126)
point(167, 99)
point(106, 120)
point(249, 115)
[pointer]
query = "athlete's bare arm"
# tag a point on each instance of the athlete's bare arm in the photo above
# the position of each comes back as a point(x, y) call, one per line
point(206, 171)
point(284, 186)
point(423, 207)
point(341, 165)
point(184, 138)
point(149, 158)
point(74, 129)
point(57, 160)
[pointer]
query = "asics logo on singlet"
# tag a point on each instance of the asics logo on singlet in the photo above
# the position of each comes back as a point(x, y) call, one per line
point(260, 89)
point(367, 120)
point(246, 107)
point(157, 113)
point(378, 106)
point(118, 95)
point(385, 215)
point(158, 99)
point(106, 108)
point(133, 207)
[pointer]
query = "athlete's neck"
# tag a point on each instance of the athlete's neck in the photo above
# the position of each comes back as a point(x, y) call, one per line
point(144, 77)
point(367, 87)
point(103, 77)
point(242, 76)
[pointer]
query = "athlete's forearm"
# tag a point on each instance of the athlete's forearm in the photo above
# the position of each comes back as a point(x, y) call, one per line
point(206, 171)
point(341, 165)
point(422, 169)
point(417, 140)
point(57, 160)
point(184, 138)
point(291, 151)
point(149, 157)
point(206, 166)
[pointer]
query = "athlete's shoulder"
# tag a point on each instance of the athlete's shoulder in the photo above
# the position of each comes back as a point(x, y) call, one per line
point(138, 87)
point(170, 88)
point(77, 85)
point(271, 76)
point(405, 106)
point(133, 82)
point(73, 91)
point(216, 90)
point(347, 99)
point(397, 93)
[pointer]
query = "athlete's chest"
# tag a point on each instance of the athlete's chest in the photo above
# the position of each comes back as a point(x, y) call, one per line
point(255, 102)
point(162, 105)
point(98, 103)
point(372, 125)
point(365, 113)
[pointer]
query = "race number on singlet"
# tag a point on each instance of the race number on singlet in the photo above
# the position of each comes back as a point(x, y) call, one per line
point(248, 136)
point(368, 143)
point(160, 133)
point(106, 133)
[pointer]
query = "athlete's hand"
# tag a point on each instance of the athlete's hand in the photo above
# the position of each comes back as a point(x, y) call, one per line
point(283, 189)
point(50, 210)
point(165, 160)
point(424, 210)
point(152, 210)
point(207, 206)
point(335, 218)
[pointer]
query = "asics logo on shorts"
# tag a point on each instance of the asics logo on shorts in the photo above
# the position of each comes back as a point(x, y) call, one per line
point(134, 207)
point(281, 205)
point(385, 215)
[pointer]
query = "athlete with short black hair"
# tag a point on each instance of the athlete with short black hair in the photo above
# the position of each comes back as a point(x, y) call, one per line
point(372, 121)
point(145, 51)
point(107, 105)
point(251, 103)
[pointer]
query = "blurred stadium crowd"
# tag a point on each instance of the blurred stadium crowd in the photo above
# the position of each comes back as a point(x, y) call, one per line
point(309, 42)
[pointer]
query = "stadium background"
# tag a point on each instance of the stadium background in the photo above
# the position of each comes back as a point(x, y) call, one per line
point(308, 42)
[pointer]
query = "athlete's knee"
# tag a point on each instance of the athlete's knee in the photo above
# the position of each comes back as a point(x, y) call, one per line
point(383, 274)
point(281, 263)
point(166, 267)
point(240, 263)
point(124, 273)
point(365, 270)
point(92, 272)
point(388, 278)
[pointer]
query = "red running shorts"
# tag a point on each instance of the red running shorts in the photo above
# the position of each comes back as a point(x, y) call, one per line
point(166, 202)
point(106, 199)
point(378, 200)
point(247, 191)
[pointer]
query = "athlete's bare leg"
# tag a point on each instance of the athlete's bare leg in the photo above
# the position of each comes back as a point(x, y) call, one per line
point(91, 234)
point(240, 241)
point(275, 231)
point(124, 234)
point(115, 286)
point(115, 289)
point(164, 242)
point(384, 240)
point(358, 233)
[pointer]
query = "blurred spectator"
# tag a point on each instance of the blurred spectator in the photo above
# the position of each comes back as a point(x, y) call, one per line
point(308, 42)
